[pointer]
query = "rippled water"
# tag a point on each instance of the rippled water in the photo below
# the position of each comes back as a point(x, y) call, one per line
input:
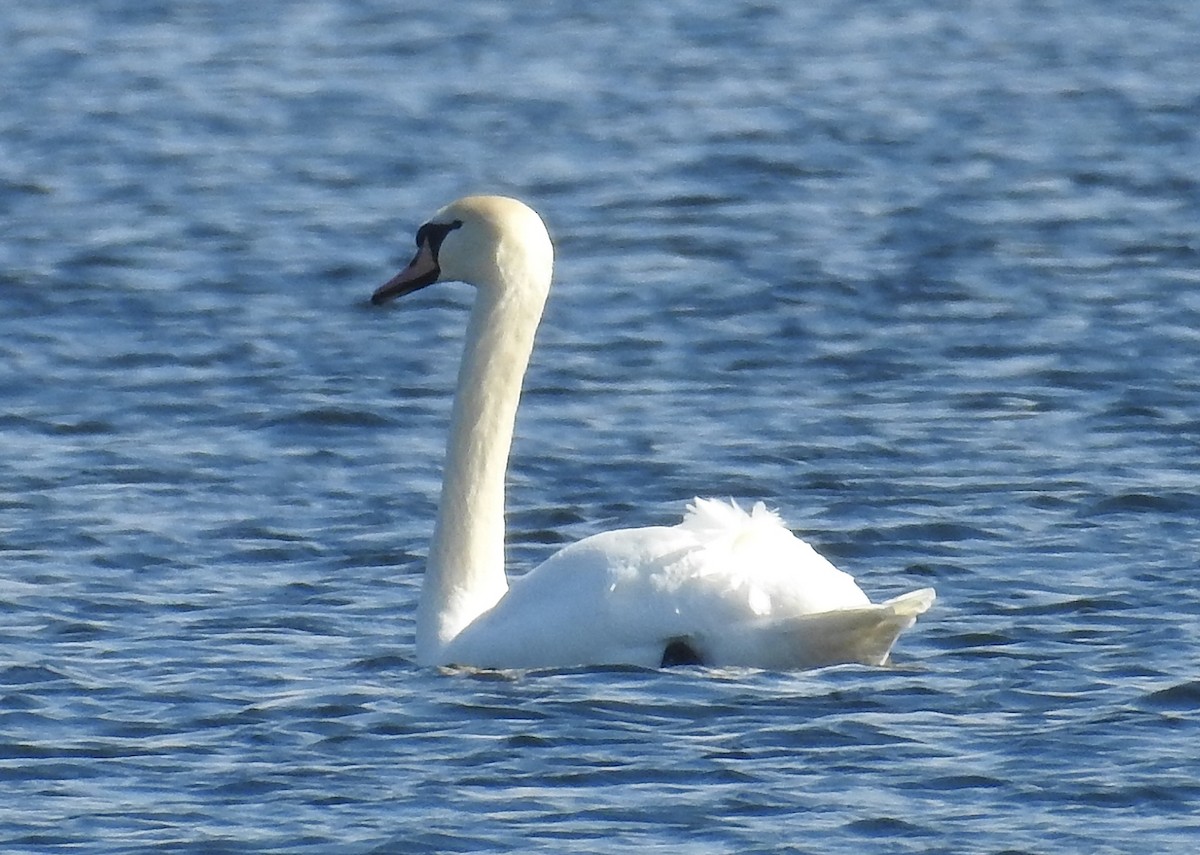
point(922, 276)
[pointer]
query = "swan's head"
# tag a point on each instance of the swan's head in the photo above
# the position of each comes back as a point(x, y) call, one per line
point(490, 242)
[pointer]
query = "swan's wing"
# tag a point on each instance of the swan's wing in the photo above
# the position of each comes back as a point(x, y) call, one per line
point(598, 601)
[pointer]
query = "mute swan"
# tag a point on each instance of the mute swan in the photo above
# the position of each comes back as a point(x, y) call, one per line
point(723, 587)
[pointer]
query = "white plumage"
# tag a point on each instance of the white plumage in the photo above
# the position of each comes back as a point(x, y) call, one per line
point(723, 587)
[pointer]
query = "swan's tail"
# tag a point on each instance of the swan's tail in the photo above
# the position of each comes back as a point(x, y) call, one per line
point(912, 604)
point(861, 635)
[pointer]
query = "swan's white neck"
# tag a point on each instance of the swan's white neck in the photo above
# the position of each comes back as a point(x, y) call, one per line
point(465, 576)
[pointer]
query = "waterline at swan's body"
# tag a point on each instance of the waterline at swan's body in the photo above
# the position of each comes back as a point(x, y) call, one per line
point(724, 587)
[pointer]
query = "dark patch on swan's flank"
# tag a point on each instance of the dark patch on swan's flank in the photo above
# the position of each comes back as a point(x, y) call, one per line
point(680, 652)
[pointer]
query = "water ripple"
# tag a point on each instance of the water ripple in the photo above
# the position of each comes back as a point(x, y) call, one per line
point(921, 278)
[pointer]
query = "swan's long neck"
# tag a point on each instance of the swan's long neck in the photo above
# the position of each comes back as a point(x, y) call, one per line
point(465, 576)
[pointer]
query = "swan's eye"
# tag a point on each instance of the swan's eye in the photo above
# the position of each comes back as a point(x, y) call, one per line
point(434, 233)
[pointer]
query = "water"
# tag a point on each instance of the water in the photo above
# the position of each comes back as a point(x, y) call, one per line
point(922, 276)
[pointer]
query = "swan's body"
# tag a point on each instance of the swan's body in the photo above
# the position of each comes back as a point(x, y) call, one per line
point(724, 587)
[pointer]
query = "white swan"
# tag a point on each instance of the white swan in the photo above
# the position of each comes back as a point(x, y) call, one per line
point(724, 587)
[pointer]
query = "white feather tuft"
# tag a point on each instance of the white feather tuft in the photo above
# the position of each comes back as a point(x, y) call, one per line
point(711, 519)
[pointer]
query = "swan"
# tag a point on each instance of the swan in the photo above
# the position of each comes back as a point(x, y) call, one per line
point(724, 587)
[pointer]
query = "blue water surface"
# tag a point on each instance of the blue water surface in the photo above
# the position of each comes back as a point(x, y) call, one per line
point(923, 276)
